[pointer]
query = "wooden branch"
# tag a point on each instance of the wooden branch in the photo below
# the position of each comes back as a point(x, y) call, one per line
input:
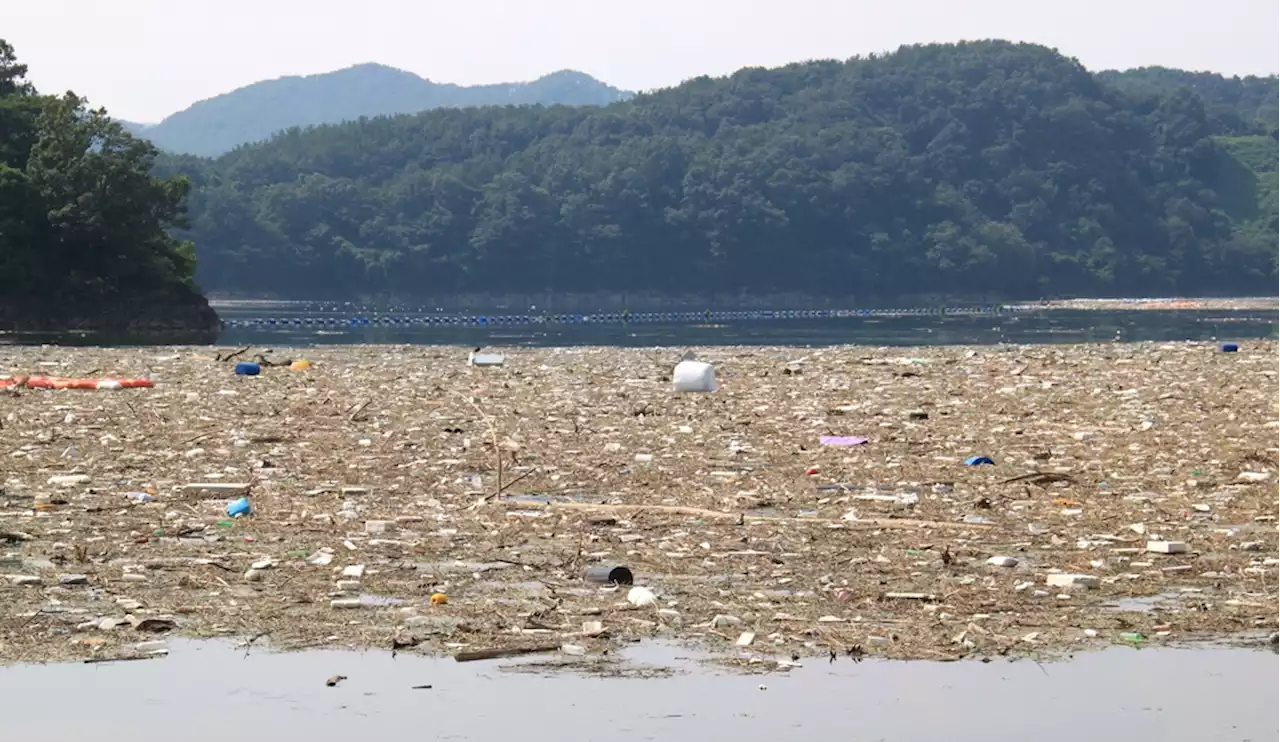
point(1041, 477)
point(503, 487)
point(130, 658)
point(704, 513)
point(493, 438)
point(493, 654)
point(229, 356)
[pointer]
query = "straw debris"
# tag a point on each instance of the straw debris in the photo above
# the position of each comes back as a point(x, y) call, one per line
point(382, 477)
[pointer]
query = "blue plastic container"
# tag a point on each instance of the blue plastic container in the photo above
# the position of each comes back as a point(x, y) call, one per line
point(1229, 348)
point(248, 369)
point(238, 508)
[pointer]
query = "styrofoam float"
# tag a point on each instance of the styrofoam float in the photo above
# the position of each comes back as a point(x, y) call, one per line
point(485, 359)
point(694, 376)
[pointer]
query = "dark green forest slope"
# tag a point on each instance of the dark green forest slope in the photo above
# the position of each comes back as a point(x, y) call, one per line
point(84, 241)
point(975, 168)
point(1234, 105)
point(255, 112)
point(1246, 180)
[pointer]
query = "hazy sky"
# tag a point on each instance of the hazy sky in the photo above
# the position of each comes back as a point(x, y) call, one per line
point(145, 59)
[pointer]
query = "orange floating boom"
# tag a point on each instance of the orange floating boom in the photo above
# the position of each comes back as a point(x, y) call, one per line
point(57, 382)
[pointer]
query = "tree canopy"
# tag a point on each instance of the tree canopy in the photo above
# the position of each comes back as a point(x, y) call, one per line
point(84, 227)
point(1234, 105)
point(990, 168)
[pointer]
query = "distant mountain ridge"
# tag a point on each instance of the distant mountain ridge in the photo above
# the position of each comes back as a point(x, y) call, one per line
point(136, 129)
point(983, 169)
point(255, 112)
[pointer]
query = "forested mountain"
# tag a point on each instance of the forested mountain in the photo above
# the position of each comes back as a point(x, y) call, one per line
point(84, 241)
point(974, 168)
point(1234, 105)
point(255, 112)
point(136, 129)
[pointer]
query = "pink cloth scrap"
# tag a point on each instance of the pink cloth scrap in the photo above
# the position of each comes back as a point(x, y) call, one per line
point(841, 440)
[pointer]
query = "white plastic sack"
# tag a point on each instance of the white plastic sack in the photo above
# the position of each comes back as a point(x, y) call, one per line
point(694, 376)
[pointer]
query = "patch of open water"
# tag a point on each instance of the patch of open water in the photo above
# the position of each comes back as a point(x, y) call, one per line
point(214, 691)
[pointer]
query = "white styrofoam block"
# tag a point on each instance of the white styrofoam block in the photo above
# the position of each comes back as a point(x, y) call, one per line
point(641, 596)
point(486, 359)
point(1002, 561)
point(1062, 579)
point(1167, 547)
point(694, 376)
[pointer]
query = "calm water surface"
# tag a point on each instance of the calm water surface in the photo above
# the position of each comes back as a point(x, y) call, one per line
point(1057, 326)
point(210, 692)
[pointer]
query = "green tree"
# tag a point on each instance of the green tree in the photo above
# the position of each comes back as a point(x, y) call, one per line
point(84, 226)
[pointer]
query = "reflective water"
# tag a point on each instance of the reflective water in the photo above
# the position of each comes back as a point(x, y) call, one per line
point(211, 691)
point(1058, 326)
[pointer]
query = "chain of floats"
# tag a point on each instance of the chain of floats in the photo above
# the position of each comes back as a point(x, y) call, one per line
point(392, 319)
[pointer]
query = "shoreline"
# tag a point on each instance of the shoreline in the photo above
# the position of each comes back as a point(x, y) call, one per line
point(1169, 304)
point(493, 303)
point(374, 480)
point(180, 316)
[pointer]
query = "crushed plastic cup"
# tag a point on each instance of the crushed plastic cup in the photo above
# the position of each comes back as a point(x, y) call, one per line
point(239, 507)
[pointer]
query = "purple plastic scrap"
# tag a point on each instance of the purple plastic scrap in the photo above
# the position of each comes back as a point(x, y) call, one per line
point(841, 440)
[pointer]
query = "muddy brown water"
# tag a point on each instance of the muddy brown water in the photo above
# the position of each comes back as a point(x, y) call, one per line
point(213, 691)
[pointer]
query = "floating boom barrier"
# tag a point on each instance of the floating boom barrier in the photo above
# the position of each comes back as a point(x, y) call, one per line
point(58, 382)
point(606, 318)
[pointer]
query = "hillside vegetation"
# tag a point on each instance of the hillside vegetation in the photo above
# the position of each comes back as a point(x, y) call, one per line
point(1247, 182)
point(1234, 105)
point(84, 240)
point(255, 112)
point(975, 168)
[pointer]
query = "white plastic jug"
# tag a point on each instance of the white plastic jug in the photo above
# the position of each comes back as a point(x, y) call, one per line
point(694, 376)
